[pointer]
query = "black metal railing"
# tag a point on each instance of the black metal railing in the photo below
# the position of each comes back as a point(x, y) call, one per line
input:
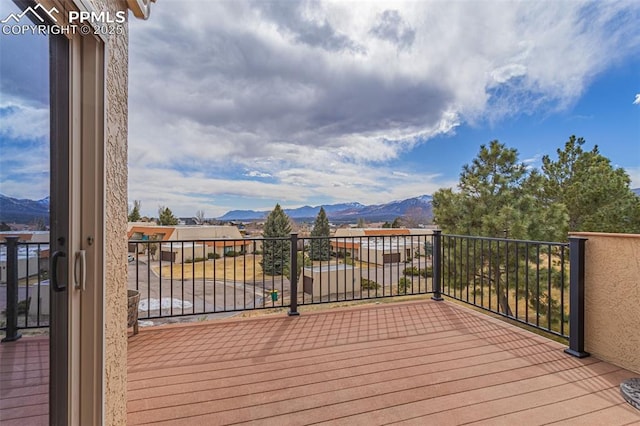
point(527, 281)
point(181, 278)
point(24, 286)
point(342, 269)
point(540, 284)
point(197, 277)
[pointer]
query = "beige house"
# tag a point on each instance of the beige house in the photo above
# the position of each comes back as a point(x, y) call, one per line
point(180, 252)
point(32, 257)
point(381, 245)
point(31, 260)
point(382, 232)
point(137, 231)
point(329, 281)
point(185, 243)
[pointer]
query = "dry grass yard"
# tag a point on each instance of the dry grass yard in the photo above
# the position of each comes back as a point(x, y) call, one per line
point(239, 268)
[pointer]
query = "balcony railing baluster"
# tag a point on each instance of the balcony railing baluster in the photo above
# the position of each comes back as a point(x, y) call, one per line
point(527, 275)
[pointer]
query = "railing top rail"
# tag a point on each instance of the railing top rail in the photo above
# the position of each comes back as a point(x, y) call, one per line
point(346, 237)
point(509, 240)
point(27, 243)
point(208, 240)
point(365, 237)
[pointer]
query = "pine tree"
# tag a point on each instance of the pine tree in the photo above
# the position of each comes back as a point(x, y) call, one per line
point(496, 197)
point(276, 251)
point(166, 217)
point(134, 215)
point(499, 197)
point(597, 196)
point(320, 248)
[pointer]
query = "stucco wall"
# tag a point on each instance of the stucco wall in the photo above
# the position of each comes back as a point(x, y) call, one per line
point(115, 290)
point(612, 298)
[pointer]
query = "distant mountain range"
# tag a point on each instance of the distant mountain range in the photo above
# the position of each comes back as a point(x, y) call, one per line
point(23, 210)
point(418, 208)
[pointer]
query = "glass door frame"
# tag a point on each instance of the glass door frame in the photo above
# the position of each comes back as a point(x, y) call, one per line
point(59, 228)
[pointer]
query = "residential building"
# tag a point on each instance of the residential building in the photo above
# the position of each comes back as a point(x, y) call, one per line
point(185, 243)
point(136, 231)
point(382, 245)
point(30, 236)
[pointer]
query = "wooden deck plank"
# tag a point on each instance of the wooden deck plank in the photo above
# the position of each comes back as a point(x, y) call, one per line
point(620, 414)
point(24, 381)
point(411, 363)
point(416, 362)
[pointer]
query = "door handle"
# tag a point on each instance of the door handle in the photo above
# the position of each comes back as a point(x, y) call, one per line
point(80, 268)
point(54, 271)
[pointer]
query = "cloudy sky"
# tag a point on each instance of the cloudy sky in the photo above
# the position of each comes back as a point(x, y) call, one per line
point(236, 105)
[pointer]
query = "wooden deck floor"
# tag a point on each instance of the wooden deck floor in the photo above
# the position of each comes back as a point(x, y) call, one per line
point(423, 363)
point(24, 382)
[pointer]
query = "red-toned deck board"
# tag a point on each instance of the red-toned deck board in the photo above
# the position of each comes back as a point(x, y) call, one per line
point(411, 363)
point(419, 363)
point(24, 381)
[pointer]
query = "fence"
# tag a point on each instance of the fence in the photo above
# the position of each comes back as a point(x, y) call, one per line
point(24, 285)
point(527, 281)
point(202, 277)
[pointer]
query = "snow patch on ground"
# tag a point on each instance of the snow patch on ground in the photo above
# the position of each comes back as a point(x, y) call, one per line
point(164, 303)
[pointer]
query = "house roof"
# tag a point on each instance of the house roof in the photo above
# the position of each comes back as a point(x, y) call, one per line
point(344, 244)
point(34, 236)
point(166, 231)
point(387, 231)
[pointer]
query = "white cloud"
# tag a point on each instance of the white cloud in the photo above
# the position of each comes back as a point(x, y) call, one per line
point(507, 72)
point(533, 162)
point(321, 96)
point(255, 173)
point(637, 100)
point(24, 148)
point(634, 175)
point(185, 193)
point(19, 120)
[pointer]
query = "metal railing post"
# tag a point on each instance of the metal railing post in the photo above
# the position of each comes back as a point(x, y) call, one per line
point(436, 264)
point(576, 297)
point(12, 290)
point(293, 276)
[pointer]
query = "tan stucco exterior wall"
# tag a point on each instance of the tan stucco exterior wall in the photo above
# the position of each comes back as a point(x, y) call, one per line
point(331, 281)
point(612, 298)
point(115, 288)
point(205, 232)
point(372, 232)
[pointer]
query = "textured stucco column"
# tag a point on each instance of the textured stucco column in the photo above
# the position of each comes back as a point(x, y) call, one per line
point(115, 286)
point(612, 298)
